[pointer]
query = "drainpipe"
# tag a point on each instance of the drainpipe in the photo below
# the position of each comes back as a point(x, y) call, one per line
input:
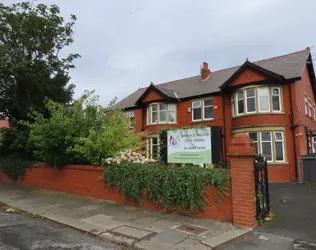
point(225, 149)
point(293, 126)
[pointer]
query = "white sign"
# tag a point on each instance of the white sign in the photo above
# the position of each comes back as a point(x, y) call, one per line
point(190, 146)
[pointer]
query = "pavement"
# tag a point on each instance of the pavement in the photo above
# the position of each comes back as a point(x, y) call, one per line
point(126, 225)
point(294, 223)
point(23, 232)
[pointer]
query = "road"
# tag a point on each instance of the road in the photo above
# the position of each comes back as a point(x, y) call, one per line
point(22, 232)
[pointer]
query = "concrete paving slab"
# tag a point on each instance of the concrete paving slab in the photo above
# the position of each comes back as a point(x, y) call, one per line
point(95, 218)
point(190, 244)
point(89, 208)
point(132, 232)
point(149, 245)
point(148, 228)
point(146, 221)
point(225, 237)
point(169, 237)
point(165, 224)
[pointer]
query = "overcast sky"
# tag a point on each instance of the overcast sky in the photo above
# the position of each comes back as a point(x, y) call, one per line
point(125, 44)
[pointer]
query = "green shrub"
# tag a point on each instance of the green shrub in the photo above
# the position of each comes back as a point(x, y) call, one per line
point(180, 186)
point(81, 133)
point(15, 165)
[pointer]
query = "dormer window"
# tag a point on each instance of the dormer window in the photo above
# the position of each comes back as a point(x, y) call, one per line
point(161, 113)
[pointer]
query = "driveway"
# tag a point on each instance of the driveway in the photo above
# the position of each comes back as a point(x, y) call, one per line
point(25, 233)
point(294, 206)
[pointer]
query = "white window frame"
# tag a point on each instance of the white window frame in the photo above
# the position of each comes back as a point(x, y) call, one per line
point(175, 113)
point(314, 112)
point(271, 142)
point(314, 144)
point(150, 114)
point(131, 115)
point(310, 111)
point(257, 141)
point(149, 141)
point(166, 113)
point(269, 100)
point(277, 140)
point(306, 105)
point(207, 119)
point(237, 103)
point(233, 103)
point(279, 95)
point(200, 107)
point(252, 97)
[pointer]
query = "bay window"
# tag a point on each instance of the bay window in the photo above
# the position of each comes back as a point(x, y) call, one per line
point(161, 113)
point(202, 110)
point(255, 100)
point(270, 144)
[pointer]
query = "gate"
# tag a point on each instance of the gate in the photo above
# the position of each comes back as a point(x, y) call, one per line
point(262, 187)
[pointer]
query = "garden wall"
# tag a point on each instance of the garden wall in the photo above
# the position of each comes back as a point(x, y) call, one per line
point(88, 181)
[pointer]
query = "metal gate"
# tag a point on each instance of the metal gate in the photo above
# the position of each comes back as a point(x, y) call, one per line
point(262, 187)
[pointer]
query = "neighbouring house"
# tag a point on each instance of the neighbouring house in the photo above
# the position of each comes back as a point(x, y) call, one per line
point(273, 100)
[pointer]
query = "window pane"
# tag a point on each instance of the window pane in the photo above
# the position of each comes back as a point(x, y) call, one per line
point(253, 136)
point(172, 116)
point(240, 95)
point(197, 114)
point(154, 107)
point(251, 104)
point(162, 115)
point(263, 95)
point(250, 92)
point(208, 112)
point(155, 152)
point(208, 103)
point(154, 140)
point(171, 107)
point(196, 104)
point(233, 105)
point(266, 150)
point(276, 91)
point(148, 115)
point(265, 136)
point(276, 103)
point(279, 151)
point(240, 106)
point(278, 136)
point(162, 106)
point(154, 117)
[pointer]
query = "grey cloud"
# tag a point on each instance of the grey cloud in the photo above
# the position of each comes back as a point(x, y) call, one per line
point(126, 44)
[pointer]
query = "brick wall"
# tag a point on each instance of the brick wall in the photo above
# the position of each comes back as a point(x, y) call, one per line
point(88, 181)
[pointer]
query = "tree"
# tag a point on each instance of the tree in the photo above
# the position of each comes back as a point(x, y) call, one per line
point(84, 132)
point(31, 68)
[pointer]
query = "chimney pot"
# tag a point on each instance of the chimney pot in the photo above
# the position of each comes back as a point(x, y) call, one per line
point(205, 71)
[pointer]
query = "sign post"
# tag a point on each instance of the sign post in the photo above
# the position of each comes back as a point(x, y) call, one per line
point(190, 146)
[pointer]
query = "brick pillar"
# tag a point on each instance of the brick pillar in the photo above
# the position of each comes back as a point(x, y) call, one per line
point(242, 153)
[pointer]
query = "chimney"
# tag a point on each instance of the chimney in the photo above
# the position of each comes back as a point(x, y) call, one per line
point(205, 71)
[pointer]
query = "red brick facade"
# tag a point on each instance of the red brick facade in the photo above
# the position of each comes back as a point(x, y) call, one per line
point(292, 120)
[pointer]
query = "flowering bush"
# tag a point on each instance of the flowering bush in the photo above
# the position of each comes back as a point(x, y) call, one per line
point(129, 156)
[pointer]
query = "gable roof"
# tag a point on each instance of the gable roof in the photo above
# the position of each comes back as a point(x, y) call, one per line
point(165, 93)
point(289, 66)
point(248, 64)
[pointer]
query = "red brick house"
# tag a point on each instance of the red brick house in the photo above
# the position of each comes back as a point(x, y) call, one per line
point(4, 122)
point(273, 100)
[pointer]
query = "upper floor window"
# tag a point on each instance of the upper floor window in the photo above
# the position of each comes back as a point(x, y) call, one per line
point(256, 100)
point(131, 119)
point(306, 105)
point(202, 110)
point(161, 113)
point(314, 112)
point(310, 108)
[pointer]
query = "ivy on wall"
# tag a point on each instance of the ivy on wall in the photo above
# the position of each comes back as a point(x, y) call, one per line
point(182, 187)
